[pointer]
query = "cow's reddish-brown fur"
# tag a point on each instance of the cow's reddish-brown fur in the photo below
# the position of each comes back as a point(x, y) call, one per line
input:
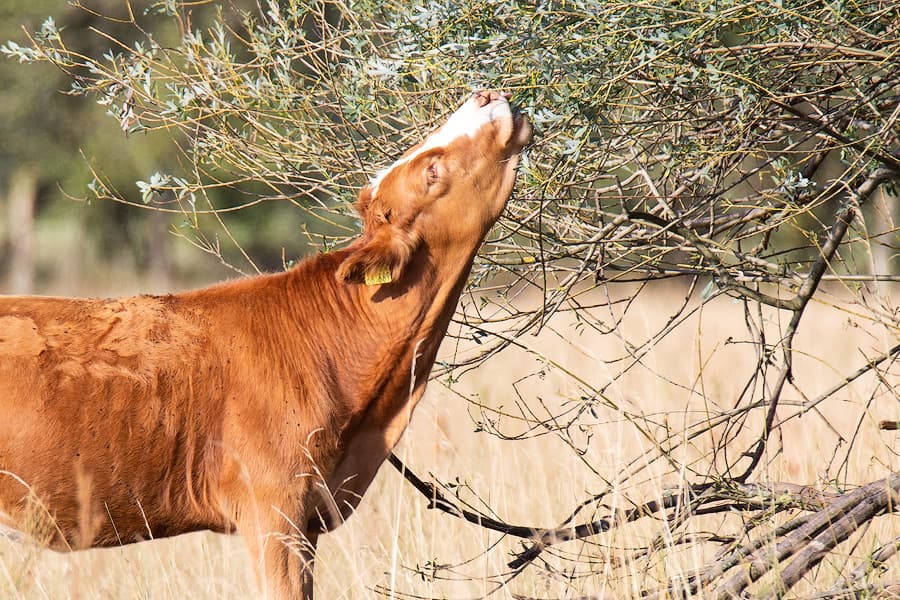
point(263, 405)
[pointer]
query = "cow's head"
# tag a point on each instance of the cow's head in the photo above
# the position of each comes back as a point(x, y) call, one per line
point(445, 192)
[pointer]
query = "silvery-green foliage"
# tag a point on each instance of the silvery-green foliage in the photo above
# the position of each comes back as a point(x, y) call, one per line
point(733, 119)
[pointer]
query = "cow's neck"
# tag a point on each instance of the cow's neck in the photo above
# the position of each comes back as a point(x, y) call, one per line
point(422, 303)
point(391, 329)
point(379, 331)
point(414, 313)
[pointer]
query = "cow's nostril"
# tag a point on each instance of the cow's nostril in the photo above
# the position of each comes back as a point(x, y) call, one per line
point(485, 97)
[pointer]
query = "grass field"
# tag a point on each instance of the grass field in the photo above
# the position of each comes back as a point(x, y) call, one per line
point(394, 542)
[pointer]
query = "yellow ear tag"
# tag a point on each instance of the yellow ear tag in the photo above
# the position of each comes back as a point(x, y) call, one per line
point(382, 275)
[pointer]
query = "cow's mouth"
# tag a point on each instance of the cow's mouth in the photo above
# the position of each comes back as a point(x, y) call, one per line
point(521, 126)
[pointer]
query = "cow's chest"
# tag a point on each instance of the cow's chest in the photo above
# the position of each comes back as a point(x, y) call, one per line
point(363, 451)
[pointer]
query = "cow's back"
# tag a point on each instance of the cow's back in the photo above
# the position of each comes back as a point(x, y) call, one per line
point(94, 399)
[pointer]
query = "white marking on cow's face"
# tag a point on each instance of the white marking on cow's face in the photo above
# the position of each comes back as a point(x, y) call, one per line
point(466, 121)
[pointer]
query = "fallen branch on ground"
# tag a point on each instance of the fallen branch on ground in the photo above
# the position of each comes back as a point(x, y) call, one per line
point(796, 547)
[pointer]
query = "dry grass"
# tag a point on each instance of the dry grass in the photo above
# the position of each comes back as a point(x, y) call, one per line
point(394, 541)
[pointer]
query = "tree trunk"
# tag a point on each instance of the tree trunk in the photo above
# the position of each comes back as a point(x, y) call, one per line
point(883, 246)
point(159, 263)
point(20, 212)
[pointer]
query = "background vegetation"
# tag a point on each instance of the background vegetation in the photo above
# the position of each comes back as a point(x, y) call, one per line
point(692, 291)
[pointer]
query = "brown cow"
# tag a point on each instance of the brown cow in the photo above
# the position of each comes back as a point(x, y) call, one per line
point(263, 405)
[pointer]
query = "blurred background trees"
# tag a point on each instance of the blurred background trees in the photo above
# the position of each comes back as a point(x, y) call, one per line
point(54, 236)
point(41, 162)
point(739, 150)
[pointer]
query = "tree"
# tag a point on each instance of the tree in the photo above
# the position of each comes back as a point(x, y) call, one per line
point(742, 148)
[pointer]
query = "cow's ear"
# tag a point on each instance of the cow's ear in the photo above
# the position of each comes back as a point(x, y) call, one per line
point(432, 170)
point(378, 258)
point(363, 201)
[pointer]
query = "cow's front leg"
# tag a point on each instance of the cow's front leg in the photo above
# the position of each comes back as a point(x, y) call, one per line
point(282, 554)
point(308, 557)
